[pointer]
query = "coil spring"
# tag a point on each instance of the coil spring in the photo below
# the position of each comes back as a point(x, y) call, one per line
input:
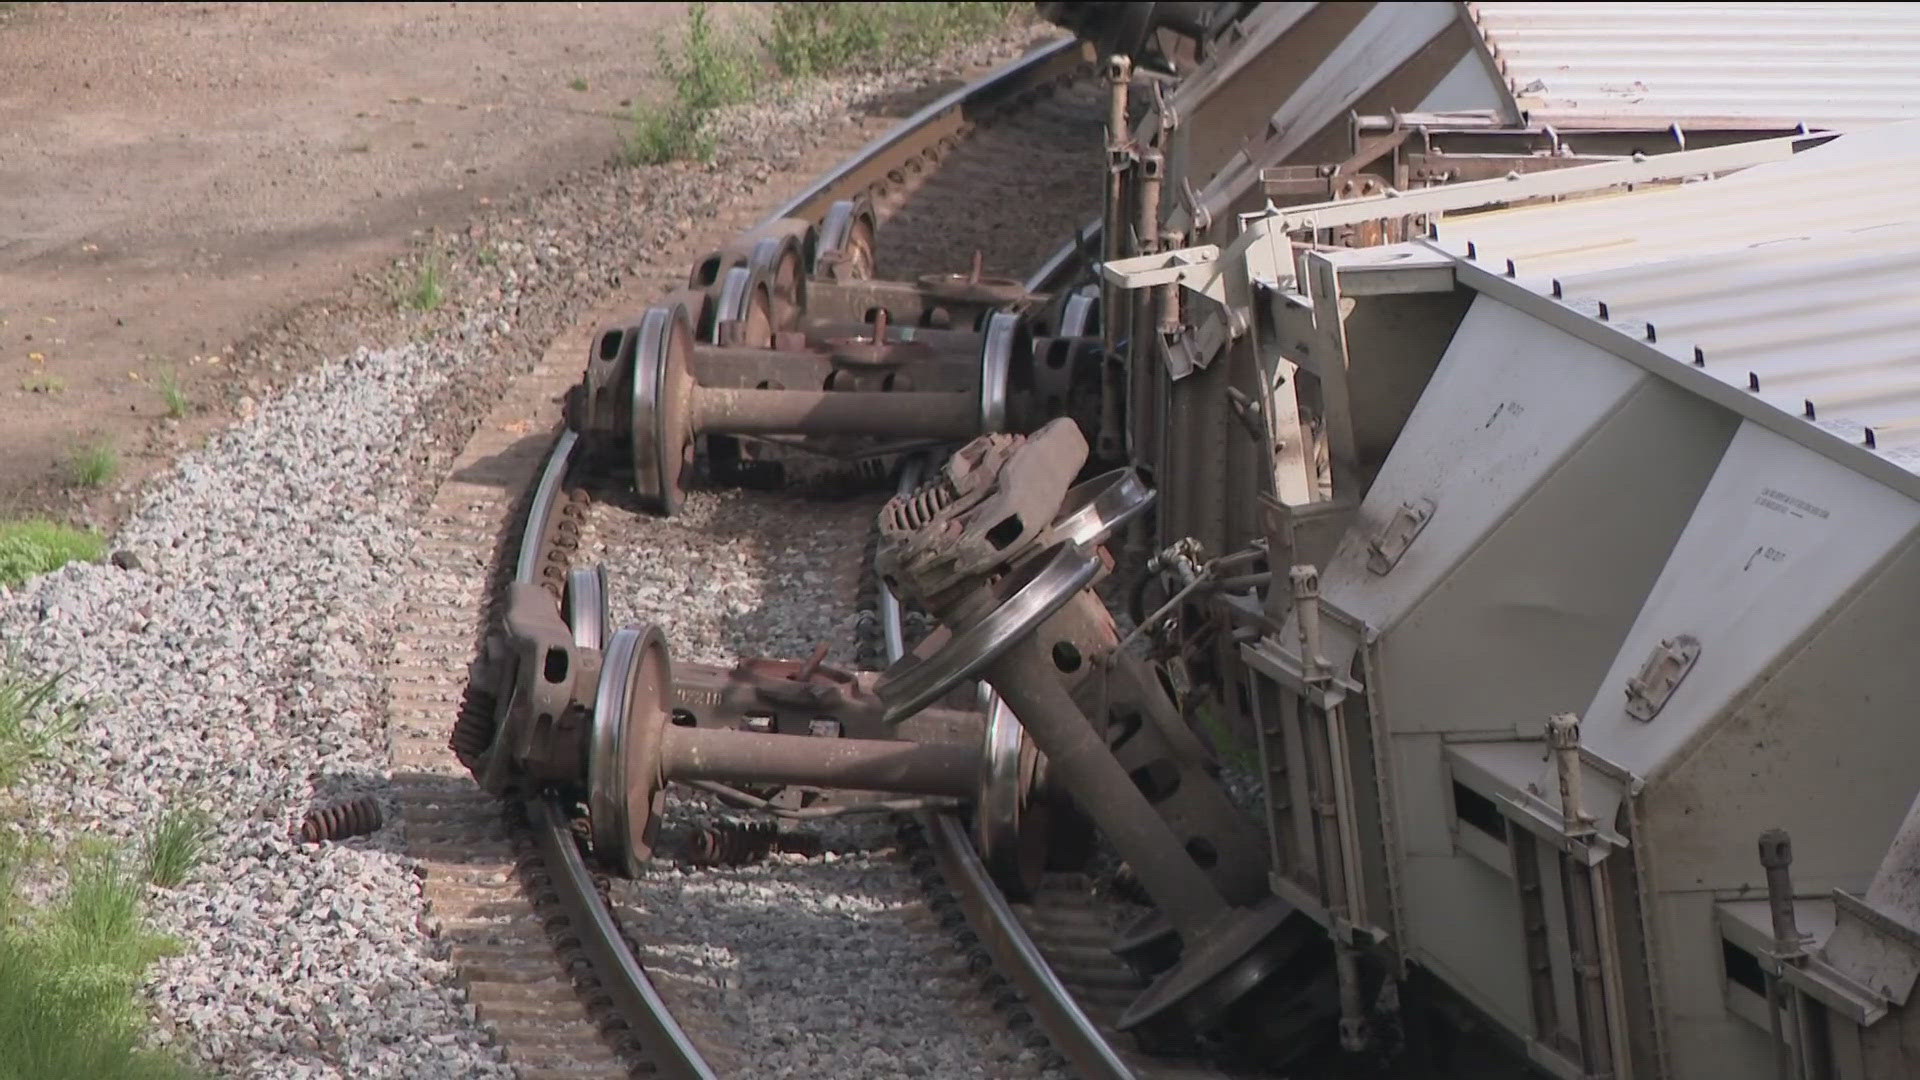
point(736, 843)
point(340, 821)
point(911, 513)
point(473, 729)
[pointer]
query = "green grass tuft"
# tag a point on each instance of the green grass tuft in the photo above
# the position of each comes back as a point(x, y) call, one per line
point(30, 548)
point(72, 973)
point(578, 86)
point(429, 288)
point(33, 719)
point(93, 465)
point(811, 39)
point(663, 133)
point(711, 71)
point(175, 845)
point(178, 403)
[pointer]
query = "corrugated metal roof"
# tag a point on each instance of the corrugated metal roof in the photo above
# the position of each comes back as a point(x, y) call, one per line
point(1773, 66)
point(1796, 283)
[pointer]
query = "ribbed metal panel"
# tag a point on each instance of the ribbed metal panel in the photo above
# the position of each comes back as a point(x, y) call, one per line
point(1764, 65)
point(1797, 283)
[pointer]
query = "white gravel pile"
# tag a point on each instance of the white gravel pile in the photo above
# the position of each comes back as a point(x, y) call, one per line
point(238, 670)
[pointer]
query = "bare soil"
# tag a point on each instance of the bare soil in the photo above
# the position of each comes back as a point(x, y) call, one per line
point(175, 179)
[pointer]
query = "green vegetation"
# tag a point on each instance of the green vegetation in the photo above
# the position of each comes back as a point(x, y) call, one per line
point(175, 845)
point(71, 969)
point(33, 718)
point(43, 384)
point(711, 71)
point(1226, 743)
point(665, 133)
point(578, 86)
point(489, 256)
point(827, 38)
point(429, 288)
point(93, 465)
point(178, 404)
point(28, 548)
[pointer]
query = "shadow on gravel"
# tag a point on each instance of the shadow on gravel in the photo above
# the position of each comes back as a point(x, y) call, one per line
point(508, 467)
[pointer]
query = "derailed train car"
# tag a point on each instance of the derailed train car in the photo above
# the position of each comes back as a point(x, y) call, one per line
point(1575, 654)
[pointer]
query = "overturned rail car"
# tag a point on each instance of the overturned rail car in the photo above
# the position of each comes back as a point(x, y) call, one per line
point(1562, 365)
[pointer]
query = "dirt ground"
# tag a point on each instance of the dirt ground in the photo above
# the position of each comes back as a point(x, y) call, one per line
point(177, 177)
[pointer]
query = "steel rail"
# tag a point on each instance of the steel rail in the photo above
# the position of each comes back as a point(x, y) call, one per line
point(665, 1044)
point(546, 498)
point(945, 117)
point(1068, 261)
point(1072, 1031)
point(662, 1040)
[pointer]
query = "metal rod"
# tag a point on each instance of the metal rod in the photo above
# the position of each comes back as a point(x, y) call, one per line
point(1166, 298)
point(1306, 602)
point(1078, 757)
point(728, 411)
point(1776, 856)
point(954, 356)
point(740, 800)
point(728, 756)
point(1563, 735)
point(1165, 609)
point(1119, 156)
point(1113, 238)
point(1789, 947)
point(1353, 1015)
point(1143, 365)
point(1576, 886)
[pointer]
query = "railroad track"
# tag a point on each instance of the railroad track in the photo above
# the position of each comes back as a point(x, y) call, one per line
point(548, 949)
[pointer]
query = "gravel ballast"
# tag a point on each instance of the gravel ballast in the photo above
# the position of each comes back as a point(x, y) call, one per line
point(237, 665)
point(235, 672)
point(829, 966)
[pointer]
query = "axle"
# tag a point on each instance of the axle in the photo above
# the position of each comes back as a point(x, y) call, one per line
point(1005, 554)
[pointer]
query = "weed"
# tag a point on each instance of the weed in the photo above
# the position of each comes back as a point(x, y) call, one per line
point(175, 845)
point(360, 148)
point(31, 548)
point(810, 39)
point(429, 289)
point(663, 133)
point(33, 718)
point(93, 465)
point(578, 86)
point(1230, 747)
point(72, 971)
point(711, 71)
point(43, 384)
point(488, 256)
point(806, 40)
point(178, 404)
point(69, 972)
